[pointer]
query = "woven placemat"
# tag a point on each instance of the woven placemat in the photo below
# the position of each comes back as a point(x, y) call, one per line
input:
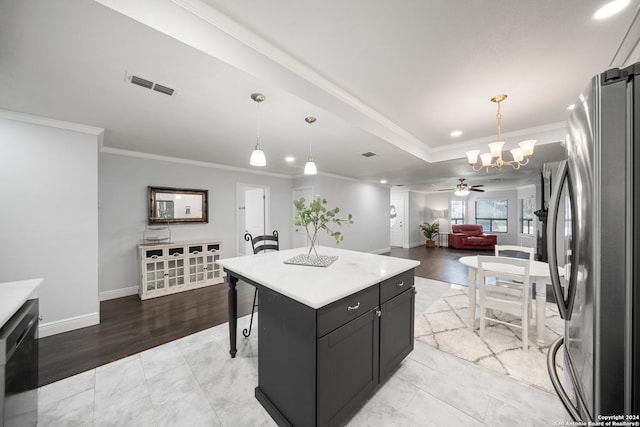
point(313, 261)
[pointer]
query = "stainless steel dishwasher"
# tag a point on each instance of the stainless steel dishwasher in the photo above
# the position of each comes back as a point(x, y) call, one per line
point(19, 368)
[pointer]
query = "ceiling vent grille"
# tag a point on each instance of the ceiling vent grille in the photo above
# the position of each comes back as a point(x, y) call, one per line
point(163, 89)
point(148, 84)
point(369, 154)
point(141, 82)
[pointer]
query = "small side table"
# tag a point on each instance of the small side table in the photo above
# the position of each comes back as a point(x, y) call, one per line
point(443, 237)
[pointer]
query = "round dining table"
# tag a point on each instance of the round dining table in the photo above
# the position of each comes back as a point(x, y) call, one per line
point(538, 273)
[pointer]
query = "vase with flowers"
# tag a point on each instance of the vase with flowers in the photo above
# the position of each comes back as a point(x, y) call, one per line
point(315, 217)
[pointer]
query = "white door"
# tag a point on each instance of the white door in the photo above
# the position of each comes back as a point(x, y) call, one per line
point(299, 233)
point(396, 221)
point(253, 214)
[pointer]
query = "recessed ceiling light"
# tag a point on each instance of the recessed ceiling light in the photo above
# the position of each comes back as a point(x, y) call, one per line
point(610, 9)
point(289, 159)
point(571, 107)
point(456, 133)
point(383, 181)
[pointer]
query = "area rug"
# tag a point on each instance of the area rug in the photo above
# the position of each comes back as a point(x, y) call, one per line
point(445, 326)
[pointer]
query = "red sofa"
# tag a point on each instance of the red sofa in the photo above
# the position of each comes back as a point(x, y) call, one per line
point(470, 236)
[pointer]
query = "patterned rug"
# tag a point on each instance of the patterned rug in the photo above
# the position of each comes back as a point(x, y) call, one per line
point(445, 325)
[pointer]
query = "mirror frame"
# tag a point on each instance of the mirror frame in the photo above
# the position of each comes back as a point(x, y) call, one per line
point(154, 219)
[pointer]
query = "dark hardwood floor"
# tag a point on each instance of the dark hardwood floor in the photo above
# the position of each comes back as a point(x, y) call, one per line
point(439, 263)
point(129, 326)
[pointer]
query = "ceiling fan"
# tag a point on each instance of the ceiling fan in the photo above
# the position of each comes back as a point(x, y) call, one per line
point(463, 188)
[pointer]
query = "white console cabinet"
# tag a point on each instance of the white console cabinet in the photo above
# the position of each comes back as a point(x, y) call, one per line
point(167, 268)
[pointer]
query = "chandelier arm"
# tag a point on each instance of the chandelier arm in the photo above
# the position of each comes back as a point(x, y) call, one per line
point(479, 169)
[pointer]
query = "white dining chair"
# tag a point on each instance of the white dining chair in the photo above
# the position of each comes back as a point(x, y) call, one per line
point(515, 251)
point(505, 287)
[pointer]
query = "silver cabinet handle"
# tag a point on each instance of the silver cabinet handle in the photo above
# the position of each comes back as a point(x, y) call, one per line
point(401, 284)
point(177, 254)
point(355, 307)
point(154, 256)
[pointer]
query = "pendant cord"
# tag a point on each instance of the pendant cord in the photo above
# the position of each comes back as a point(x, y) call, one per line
point(258, 124)
point(499, 118)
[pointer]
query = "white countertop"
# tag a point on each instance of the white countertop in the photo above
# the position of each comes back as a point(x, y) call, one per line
point(14, 294)
point(318, 286)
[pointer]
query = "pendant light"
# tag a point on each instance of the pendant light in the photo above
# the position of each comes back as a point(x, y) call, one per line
point(310, 166)
point(257, 157)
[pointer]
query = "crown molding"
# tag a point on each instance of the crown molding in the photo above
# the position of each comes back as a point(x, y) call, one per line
point(44, 121)
point(141, 155)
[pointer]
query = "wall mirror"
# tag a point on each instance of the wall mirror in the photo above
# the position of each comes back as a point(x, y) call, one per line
point(177, 205)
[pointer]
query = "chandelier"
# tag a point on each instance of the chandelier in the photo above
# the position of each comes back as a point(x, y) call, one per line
point(493, 159)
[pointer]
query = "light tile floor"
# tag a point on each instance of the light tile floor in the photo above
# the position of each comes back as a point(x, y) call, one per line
point(193, 382)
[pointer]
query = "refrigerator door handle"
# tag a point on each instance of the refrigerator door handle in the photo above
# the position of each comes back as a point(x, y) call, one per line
point(555, 380)
point(565, 306)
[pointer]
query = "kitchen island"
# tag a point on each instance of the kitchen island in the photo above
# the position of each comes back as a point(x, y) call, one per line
point(327, 336)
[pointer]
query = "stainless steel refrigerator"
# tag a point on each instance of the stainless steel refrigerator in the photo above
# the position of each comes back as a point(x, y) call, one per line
point(594, 250)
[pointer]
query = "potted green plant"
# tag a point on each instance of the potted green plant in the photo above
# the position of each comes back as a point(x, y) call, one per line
point(315, 217)
point(430, 231)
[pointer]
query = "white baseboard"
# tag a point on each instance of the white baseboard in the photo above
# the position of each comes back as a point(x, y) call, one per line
point(66, 325)
point(381, 251)
point(415, 245)
point(118, 293)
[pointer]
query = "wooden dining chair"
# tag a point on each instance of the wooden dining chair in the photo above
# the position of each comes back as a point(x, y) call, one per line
point(505, 287)
point(264, 243)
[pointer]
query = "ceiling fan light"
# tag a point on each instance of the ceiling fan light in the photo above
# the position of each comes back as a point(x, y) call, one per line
point(517, 154)
point(486, 159)
point(257, 157)
point(310, 167)
point(472, 156)
point(496, 149)
point(527, 147)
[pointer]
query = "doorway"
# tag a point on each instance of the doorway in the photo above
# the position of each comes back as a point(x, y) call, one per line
point(299, 233)
point(253, 214)
point(397, 220)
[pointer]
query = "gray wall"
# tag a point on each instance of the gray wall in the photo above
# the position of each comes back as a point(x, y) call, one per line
point(49, 219)
point(528, 240)
point(368, 203)
point(122, 190)
point(511, 237)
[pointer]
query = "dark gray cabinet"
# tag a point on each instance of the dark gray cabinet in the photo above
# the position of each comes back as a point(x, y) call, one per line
point(317, 367)
point(397, 307)
point(347, 368)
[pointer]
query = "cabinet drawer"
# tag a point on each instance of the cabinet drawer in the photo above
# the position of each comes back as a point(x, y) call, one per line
point(175, 252)
point(342, 311)
point(154, 253)
point(396, 285)
point(196, 249)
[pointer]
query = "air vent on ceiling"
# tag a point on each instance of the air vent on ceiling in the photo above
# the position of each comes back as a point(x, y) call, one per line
point(141, 82)
point(369, 154)
point(148, 84)
point(163, 89)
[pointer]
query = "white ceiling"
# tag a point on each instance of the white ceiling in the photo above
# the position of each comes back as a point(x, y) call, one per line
point(393, 78)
